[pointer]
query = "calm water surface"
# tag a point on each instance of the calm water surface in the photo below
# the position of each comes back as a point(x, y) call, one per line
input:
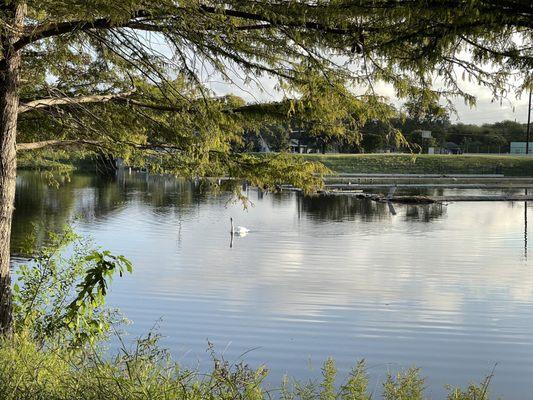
point(447, 288)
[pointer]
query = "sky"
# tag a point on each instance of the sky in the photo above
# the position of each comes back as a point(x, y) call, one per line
point(487, 111)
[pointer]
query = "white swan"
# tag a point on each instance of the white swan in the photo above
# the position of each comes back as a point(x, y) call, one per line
point(238, 230)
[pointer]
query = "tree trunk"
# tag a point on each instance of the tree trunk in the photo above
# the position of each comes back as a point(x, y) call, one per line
point(9, 102)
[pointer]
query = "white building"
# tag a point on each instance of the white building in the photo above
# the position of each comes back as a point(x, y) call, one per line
point(520, 148)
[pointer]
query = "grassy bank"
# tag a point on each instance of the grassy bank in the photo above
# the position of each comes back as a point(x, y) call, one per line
point(426, 164)
point(54, 160)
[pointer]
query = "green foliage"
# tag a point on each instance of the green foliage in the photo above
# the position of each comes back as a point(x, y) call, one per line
point(474, 391)
point(426, 112)
point(405, 386)
point(270, 171)
point(329, 111)
point(60, 293)
point(82, 316)
point(357, 386)
point(29, 372)
point(329, 374)
point(56, 160)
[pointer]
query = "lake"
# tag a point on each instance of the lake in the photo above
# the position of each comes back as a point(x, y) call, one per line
point(447, 288)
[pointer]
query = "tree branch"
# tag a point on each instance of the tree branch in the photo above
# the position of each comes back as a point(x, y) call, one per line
point(94, 143)
point(60, 28)
point(56, 143)
point(51, 102)
point(273, 109)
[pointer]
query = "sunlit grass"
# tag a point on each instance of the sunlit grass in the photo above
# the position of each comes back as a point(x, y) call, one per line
point(426, 164)
point(29, 371)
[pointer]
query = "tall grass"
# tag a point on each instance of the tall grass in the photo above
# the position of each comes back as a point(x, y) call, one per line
point(29, 371)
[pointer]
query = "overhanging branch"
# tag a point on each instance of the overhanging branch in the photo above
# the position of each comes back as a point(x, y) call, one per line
point(94, 143)
point(270, 108)
point(51, 102)
point(60, 28)
point(56, 143)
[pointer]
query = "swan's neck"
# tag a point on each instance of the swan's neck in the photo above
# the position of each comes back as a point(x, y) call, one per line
point(232, 228)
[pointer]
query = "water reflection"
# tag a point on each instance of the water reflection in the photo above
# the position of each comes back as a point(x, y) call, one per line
point(53, 202)
point(342, 208)
point(445, 287)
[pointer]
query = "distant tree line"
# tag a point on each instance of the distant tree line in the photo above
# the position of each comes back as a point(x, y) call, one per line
point(402, 133)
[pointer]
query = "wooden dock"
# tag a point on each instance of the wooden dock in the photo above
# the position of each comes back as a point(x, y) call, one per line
point(358, 183)
point(363, 186)
point(421, 176)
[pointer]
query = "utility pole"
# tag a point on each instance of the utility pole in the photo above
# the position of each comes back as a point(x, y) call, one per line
point(528, 122)
point(525, 228)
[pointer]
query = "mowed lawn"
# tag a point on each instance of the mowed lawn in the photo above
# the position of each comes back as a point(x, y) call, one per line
point(426, 164)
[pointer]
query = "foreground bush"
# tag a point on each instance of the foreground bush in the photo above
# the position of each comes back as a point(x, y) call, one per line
point(29, 371)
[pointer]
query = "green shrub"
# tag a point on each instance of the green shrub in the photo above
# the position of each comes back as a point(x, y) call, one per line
point(60, 294)
point(29, 371)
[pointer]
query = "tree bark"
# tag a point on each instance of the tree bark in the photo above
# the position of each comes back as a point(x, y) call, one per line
point(9, 103)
